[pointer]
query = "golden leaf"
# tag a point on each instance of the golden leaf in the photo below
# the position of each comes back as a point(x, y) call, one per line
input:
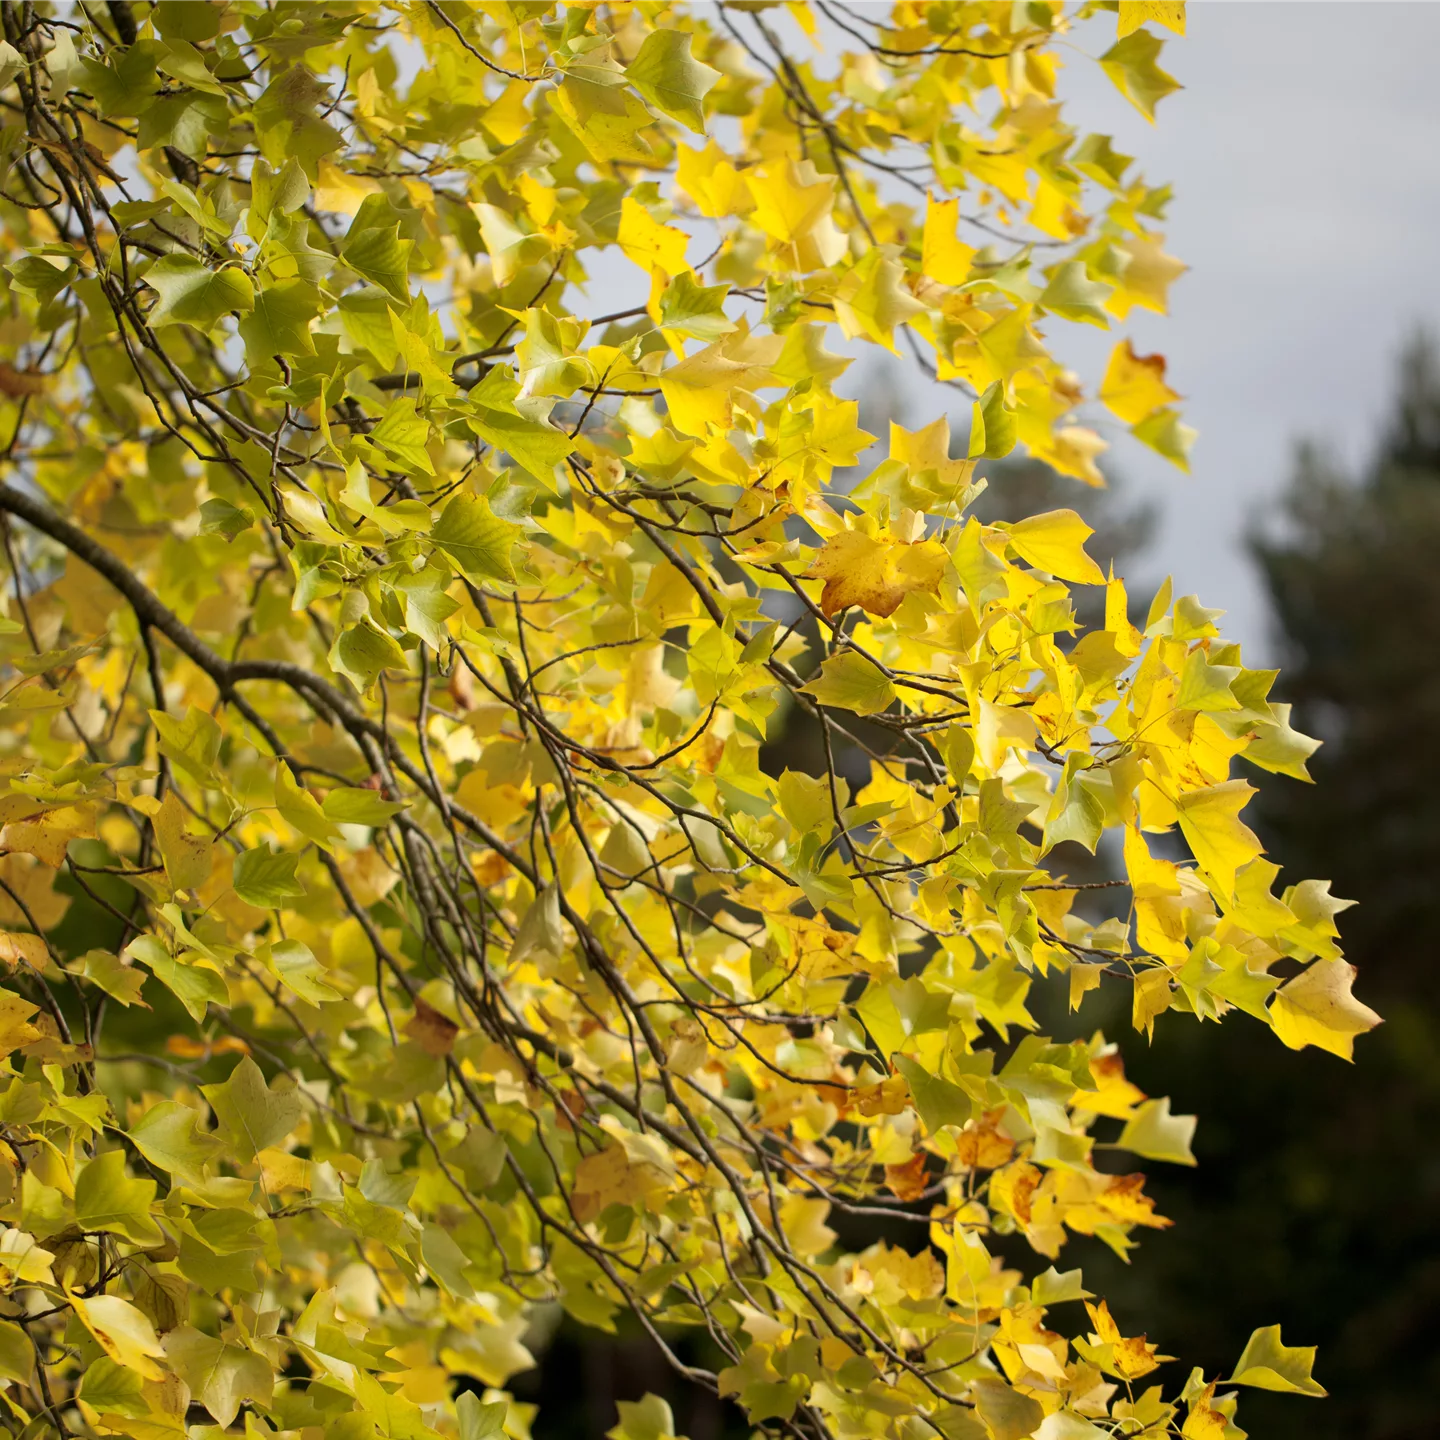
point(875, 573)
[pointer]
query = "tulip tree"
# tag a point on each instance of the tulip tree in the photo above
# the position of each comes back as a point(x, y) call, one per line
point(428, 485)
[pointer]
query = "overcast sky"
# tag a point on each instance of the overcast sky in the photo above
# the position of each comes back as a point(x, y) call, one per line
point(1305, 154)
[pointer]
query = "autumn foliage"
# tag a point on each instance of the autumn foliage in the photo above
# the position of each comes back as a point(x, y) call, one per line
point(428, 487)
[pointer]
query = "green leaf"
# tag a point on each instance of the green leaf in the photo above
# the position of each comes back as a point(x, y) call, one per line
point(265, 878)
point(359, 807)
point(299, 808)
point(476, 539)
point(1130, 63)
point(189, 976)
point(110, 1388)
point(695, 310)
point(43, 276)
point(1008, 1415)
point(938, 1101)
point(169, 1136)
point(120, 982)
point(283, 191)
point(254, 1115)
point(1072, 295)
point(12, 62)
point(1267, 1364)
point(280, 322)
point(220, 517)
point(185, 20)
point(404, 435)
point(671, 79)
point(192, 294)
point(534, 447)
point(192, 743)
point(1164, 432)
point(993, 425)
point(447, 1263)
point(106, 1198)
point(647, 1419)
point(478, 1420)
point(1054, 1287)
point(427, 606)
point(1280, 747)
point(362, 652)
point(17, 1354)
point(365, 314)
point(221, 1376)
point(125, 83)
point(1158, 1135)
point(850, 682)
point(1206, 687)
point(298, 970)
point(379, 255)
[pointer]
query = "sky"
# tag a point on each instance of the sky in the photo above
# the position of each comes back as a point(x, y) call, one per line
point(1304, 156)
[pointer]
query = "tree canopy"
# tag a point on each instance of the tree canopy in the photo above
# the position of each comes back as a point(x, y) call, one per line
point(420, 423)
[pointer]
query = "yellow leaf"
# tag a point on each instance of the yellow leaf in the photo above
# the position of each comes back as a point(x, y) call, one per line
point(651, 245)
point(875, 573)
point(872, 299)
point(510, 248)
point(1220, 841)
point(792, 207)
point(1268, 1364)
point(1158, 1135)
point(1317, 1008)
point(48, 837)
point(1145, 278)
point(1055, 543)
point(1073, 451)
point(714, 184)
point(698, 389)
point(15, 1030)
point(26, 1261)
point(927, 450)
point(1152, 997)
point(1130, 63)
point(1134, 13)
point(1134, 385)
point(186, 856)
point(16, 946)
point(1203, 1423)
point(124, 1332)
point(803, 1221)
point(943, 256)
point(1083, 979)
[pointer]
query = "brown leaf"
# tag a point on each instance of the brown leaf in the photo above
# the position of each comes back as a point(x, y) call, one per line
point(982, 1144)
point(1013, 1189)
point(908, 1181)
point(433, 1032)
point(16, 383)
